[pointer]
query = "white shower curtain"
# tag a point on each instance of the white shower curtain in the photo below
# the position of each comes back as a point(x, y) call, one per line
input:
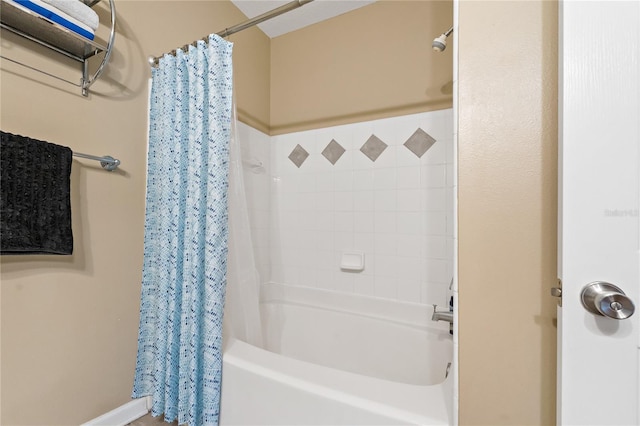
point(242, 312)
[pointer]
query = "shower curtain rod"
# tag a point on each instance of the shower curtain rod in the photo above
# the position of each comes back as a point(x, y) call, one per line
point(153, 61)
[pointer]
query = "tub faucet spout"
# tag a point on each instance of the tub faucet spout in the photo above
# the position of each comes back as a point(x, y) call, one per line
point(442, 315)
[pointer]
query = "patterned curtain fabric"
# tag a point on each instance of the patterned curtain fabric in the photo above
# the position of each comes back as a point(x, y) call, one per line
point(185, 245)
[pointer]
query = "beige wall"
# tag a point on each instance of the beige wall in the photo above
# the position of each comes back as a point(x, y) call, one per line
point(69, 323)
point(507, 211)
point(370, 63)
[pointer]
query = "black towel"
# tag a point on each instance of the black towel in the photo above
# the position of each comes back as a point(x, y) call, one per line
point(35, 209)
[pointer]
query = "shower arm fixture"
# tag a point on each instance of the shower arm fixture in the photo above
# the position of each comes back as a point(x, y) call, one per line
point(440, 43)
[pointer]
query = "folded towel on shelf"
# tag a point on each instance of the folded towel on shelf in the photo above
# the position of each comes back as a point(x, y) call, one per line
point(78, 10)
point(35, 201)
point(55, 15)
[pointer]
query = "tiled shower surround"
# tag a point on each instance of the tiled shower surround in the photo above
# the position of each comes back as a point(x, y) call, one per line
point(382, 187)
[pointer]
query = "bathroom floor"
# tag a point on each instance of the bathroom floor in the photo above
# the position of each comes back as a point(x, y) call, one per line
point(149, 420)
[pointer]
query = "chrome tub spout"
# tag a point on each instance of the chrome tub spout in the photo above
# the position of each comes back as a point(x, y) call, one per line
point(442, 315)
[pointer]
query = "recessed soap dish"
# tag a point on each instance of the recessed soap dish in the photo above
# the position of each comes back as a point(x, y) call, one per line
point(352, 261)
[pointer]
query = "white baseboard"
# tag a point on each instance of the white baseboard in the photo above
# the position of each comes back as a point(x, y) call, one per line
point(124, 414)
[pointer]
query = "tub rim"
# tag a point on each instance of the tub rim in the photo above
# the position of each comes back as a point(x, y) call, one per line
point(414, 404)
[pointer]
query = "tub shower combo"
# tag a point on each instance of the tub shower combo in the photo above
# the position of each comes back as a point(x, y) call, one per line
point(355, 259)
point(339, 306)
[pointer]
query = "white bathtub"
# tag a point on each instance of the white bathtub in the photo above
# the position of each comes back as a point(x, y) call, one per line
point(339, 359)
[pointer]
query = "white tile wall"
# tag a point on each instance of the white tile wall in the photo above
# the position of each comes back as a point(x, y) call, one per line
point(398, 210)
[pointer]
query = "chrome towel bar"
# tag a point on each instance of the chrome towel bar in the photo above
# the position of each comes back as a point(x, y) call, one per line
point(107, 162)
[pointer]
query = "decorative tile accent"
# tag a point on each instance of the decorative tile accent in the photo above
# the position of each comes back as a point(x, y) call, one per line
point(333, 151)
point(298, 155)
point(373, 147)
point(419, 142)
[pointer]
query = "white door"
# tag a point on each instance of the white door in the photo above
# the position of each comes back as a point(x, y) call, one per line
point(598, 357)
